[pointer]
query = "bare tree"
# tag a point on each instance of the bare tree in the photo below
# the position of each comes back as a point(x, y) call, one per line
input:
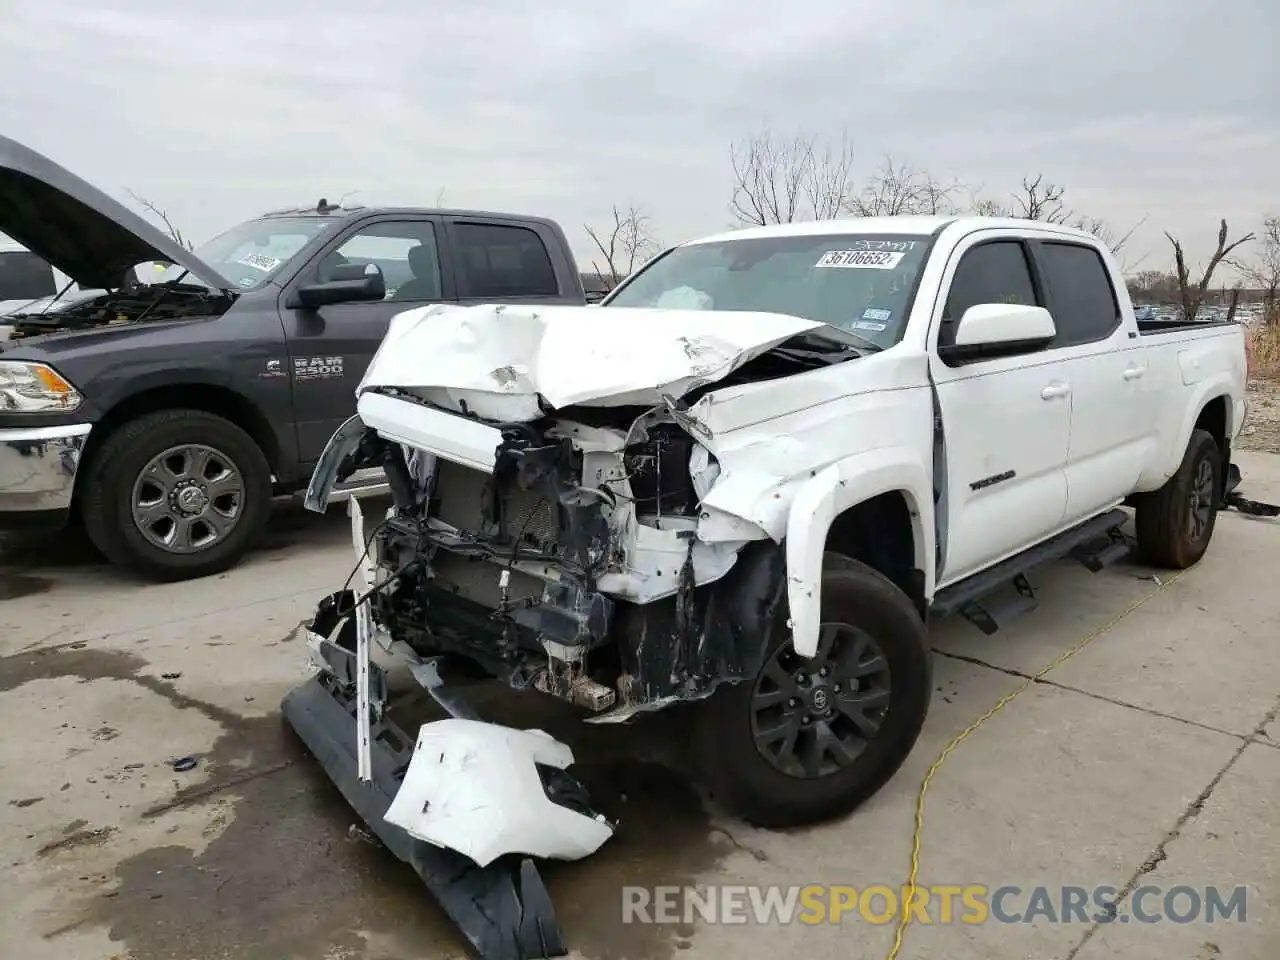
point(1036, 200)
point(1046, 202)
point(1114, 240)
point(1191, 294)
point(777, 181)
point(899, 188)
point(1264, 272)
point(1041, 201)
point(1103, 231)
point(158, 212)
point(623, 246)
point(1154, 285)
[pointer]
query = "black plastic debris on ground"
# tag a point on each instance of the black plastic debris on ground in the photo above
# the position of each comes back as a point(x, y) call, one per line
point(1231, 499)
point(503, 909)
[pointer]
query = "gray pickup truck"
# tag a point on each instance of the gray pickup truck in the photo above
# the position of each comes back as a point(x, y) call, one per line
point(165, 415)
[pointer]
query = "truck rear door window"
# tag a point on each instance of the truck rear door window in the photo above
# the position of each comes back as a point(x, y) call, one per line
point(503, 261)
point(1081, 297)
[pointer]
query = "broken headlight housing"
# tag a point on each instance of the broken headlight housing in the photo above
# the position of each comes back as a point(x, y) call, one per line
point(27, 387)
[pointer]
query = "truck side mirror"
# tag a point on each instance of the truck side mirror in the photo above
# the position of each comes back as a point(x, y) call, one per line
point(348, 283)
point(990, 330)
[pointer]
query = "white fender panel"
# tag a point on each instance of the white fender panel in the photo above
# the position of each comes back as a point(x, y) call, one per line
point(826, 495)
point(1174, 447)
point(473, 787)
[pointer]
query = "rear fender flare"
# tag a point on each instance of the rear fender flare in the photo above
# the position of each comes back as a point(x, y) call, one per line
point(1205, 392)
point(826, 495)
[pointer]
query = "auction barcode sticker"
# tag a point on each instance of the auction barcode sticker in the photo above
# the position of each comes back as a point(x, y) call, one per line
point(260, 262)
point(860, 259)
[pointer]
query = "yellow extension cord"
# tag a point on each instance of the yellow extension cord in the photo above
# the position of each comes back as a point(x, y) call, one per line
point(911, 885)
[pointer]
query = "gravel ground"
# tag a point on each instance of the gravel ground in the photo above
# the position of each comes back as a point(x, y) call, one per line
point(1262, 426)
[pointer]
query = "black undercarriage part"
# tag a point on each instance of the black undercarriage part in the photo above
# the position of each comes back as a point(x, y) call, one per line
point(503, 909)
point(1232, 499)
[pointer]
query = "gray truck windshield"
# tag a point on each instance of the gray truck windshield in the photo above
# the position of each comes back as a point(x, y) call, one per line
point(252, 253)
point(860, 283)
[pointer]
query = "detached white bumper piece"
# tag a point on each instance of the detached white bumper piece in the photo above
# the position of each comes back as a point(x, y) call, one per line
point(476, 788)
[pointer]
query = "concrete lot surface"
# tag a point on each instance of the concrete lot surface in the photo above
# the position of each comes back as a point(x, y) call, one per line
point(1150, 758)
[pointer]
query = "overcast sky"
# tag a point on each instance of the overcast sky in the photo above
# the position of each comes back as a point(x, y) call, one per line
point(1164, 109)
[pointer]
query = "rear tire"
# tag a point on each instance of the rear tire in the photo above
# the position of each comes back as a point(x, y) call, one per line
point(176, 494)
point(1175, 523)
point(873, 638)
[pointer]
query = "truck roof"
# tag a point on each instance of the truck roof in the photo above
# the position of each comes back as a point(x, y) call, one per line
point(327, 210)
point(896, 224)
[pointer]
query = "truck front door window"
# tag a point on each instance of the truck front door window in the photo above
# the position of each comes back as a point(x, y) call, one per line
point(501, 261)
point(995, 272)
point(405, 251)
point(1083, 301)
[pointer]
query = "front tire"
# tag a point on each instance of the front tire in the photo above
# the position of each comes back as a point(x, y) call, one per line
point(1175, 523)
point(177, 494)
point(807, 740)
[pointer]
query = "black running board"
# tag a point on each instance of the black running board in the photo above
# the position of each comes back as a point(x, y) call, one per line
point(503, 909)
point(970, 597)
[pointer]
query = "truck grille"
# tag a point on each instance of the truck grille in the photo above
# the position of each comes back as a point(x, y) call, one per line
point(460, 492)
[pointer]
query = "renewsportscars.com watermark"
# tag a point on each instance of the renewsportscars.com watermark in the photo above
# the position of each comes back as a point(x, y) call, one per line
point(935, 904)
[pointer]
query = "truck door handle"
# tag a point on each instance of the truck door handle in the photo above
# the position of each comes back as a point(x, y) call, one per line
point(1133, 373)
point(1055, 390)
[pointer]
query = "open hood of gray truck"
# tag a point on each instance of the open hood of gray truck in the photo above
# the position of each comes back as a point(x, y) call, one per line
point(78, 228)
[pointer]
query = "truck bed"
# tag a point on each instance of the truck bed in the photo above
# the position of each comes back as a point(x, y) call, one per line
point(1149, 327)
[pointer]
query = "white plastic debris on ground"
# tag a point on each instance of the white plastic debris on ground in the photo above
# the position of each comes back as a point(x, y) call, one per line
point(473, 787)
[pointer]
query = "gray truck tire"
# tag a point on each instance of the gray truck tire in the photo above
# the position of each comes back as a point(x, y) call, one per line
point(176, 494)
point(1175, 523)
point(861, 727)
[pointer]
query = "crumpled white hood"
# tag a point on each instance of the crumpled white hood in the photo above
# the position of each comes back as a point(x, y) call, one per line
point(499, 359)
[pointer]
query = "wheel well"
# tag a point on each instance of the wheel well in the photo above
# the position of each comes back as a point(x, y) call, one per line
point(1213, 418)
point(219, 401)
point(879, 533)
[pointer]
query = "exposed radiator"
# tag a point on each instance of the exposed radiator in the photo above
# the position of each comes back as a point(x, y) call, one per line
point(460, 491)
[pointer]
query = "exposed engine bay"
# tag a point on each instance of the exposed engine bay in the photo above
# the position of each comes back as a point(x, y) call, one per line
point(169, 301)
point(572, 547)
point(572, 567)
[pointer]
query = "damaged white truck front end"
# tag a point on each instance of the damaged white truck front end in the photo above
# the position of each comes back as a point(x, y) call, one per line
point(567, 520)
point(660, 495)
point(560, 504)
point(624, 508)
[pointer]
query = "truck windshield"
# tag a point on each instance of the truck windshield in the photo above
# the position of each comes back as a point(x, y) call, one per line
point(252, 253)
point(861, 283)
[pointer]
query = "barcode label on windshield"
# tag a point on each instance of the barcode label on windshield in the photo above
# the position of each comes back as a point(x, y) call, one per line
point(259, 262)
point(860, 259)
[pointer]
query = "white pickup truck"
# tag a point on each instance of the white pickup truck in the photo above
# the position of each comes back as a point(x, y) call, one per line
point(748, 480)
